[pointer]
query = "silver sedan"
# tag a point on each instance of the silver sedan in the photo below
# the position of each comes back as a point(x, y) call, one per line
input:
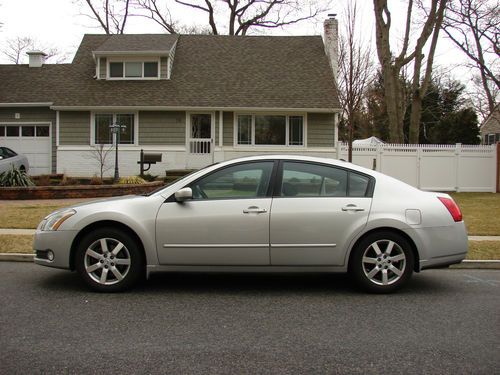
point(9, 158)
point(260, 214)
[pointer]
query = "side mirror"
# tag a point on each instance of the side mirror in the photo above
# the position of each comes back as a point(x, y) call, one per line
point(183, 194)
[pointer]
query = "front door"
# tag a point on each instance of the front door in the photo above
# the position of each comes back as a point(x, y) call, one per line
point(226, 222)
point(319, 209)
point(200, 140)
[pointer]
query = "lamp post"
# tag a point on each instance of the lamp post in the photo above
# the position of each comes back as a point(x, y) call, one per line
point(115, 130)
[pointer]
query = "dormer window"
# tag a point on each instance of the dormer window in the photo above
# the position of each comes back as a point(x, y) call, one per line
point(133, 70)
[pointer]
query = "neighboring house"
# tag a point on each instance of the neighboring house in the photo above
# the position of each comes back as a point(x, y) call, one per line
point(490, 128)
point(196, 99)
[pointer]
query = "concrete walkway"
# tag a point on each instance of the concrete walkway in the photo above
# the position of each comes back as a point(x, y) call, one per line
point(32, 231)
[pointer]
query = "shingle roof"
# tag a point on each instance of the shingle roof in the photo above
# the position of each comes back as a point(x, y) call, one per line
point(208, 71)
point(138, 43)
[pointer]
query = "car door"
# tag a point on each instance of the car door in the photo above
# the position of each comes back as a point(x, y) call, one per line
point(315, 212)
point(226, 222)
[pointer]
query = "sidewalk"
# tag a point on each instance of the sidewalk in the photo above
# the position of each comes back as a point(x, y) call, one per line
point(32, 231)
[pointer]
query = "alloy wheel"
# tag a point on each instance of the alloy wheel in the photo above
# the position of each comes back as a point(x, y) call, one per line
point(107, 261)
point(384, 262)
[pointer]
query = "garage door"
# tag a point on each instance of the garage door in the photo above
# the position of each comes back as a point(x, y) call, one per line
point(31, 140)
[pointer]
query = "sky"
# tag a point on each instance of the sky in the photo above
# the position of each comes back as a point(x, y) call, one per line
point(60, 23)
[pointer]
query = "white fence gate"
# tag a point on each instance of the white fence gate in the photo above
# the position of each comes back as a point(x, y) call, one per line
point(431, 167)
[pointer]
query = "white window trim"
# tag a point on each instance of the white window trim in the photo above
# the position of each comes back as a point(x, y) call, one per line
point(114, 113)
point(286, 146)
point(132, 59)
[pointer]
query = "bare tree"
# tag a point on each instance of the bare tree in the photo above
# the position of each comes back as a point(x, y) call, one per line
point(355, 68)
point(111, 15)
point(240, 15)
point(100, 154)
point(16, 48)
point(473, 26)
point(392, 65)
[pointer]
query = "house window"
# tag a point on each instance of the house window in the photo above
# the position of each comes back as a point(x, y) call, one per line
point(12, 131)
point(28, 131)
point(270, 130)
point(2, 131)
point(102, 130)
point(133, 69)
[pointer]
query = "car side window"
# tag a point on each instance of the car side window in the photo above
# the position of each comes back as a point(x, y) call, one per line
point(313, 180)
point(6, 153)
point(248, 180)
point(358, 185)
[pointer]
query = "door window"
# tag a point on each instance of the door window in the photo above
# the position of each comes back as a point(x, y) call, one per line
point(201, 125)
point(250, 180)
point(317, 180)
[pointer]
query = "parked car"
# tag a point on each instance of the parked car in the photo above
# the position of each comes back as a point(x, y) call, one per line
point(265, 213)
point(9, 158)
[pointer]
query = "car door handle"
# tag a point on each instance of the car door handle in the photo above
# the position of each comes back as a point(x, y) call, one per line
point(352, 207)
point(254, 210)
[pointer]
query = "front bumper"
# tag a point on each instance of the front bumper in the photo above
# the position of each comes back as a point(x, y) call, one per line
point(59, 242)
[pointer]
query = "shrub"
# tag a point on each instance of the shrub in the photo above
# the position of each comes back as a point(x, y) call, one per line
point(132, 180)
point(43, 180)
point(67, 181)
point(148, 177)
point(96, 180)
point(15, 177)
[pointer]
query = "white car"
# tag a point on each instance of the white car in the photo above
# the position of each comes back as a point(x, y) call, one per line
point(9, 158)
point(260, 214)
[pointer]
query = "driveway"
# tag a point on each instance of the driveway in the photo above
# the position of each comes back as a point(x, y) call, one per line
point(446, 321)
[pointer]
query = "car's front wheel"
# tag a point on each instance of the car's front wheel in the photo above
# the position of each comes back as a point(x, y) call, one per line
point(382, 262)
point(109, 260)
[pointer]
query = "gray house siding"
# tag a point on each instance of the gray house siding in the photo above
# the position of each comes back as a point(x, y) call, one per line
point(35, 114)
point(320, 130)
point(164, 68)
point(162, 128)
point(228, 124)
point(74, 128)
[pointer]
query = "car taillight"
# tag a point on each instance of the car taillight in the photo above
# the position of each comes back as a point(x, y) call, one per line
point(452, 207)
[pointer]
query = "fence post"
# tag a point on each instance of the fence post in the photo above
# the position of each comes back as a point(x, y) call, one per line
point(419, 157)
point(498, 167)
point(380, 150)
point(458, 150)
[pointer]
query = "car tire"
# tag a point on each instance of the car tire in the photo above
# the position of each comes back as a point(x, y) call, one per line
point(109, 260)
point(381, 262)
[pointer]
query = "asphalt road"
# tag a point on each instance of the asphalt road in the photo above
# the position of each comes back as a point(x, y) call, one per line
point(444, 322)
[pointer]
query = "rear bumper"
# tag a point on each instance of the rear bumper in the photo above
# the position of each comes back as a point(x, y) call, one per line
point(440, 246)
point(59, 242)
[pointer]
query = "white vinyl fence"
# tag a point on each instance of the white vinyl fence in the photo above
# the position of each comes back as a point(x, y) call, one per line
point(431, 167)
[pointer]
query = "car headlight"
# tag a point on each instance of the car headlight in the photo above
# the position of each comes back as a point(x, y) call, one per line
point(54, 220)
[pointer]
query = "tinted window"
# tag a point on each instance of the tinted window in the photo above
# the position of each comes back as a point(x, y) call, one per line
point(28, 131)
point(116, 69)
point(150, 69)
point(12, 131)
point(358, 185)
point(249, 180)
point(313, 180)
point(6, 152)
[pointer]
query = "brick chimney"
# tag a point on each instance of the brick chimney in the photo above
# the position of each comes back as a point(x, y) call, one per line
point(36, 58)
point(331, 41)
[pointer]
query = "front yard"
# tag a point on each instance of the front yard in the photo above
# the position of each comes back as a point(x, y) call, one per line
point(481, 213)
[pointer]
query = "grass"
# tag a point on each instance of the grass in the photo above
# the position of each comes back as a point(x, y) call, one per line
point(28, 216)
point(15, 243)
point(481, 212)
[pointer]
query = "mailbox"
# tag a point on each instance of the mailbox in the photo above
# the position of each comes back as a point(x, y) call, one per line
point(146, 160)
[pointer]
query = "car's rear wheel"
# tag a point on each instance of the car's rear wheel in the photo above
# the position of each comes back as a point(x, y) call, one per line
point(109, 260)
point(382, 262)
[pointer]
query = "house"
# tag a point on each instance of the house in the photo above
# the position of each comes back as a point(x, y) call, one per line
point(196, 99)
point(490, 128)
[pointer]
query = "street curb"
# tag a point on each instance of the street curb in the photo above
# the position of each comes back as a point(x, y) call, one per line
point(466, 264)
point(16, 257)
point(478, 264)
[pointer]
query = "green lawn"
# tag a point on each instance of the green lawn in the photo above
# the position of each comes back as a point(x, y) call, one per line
point(481, 212)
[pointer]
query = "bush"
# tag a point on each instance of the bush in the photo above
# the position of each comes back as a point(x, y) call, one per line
point(131, 180)
point(96, 180)
point(43, 180)
point(148, 177)
point(68, 181)
point(15, 177)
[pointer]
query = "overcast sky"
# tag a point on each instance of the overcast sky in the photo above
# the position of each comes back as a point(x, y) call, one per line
point(60, 23)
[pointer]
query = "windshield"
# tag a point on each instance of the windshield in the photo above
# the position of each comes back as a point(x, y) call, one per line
point(174, 181)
